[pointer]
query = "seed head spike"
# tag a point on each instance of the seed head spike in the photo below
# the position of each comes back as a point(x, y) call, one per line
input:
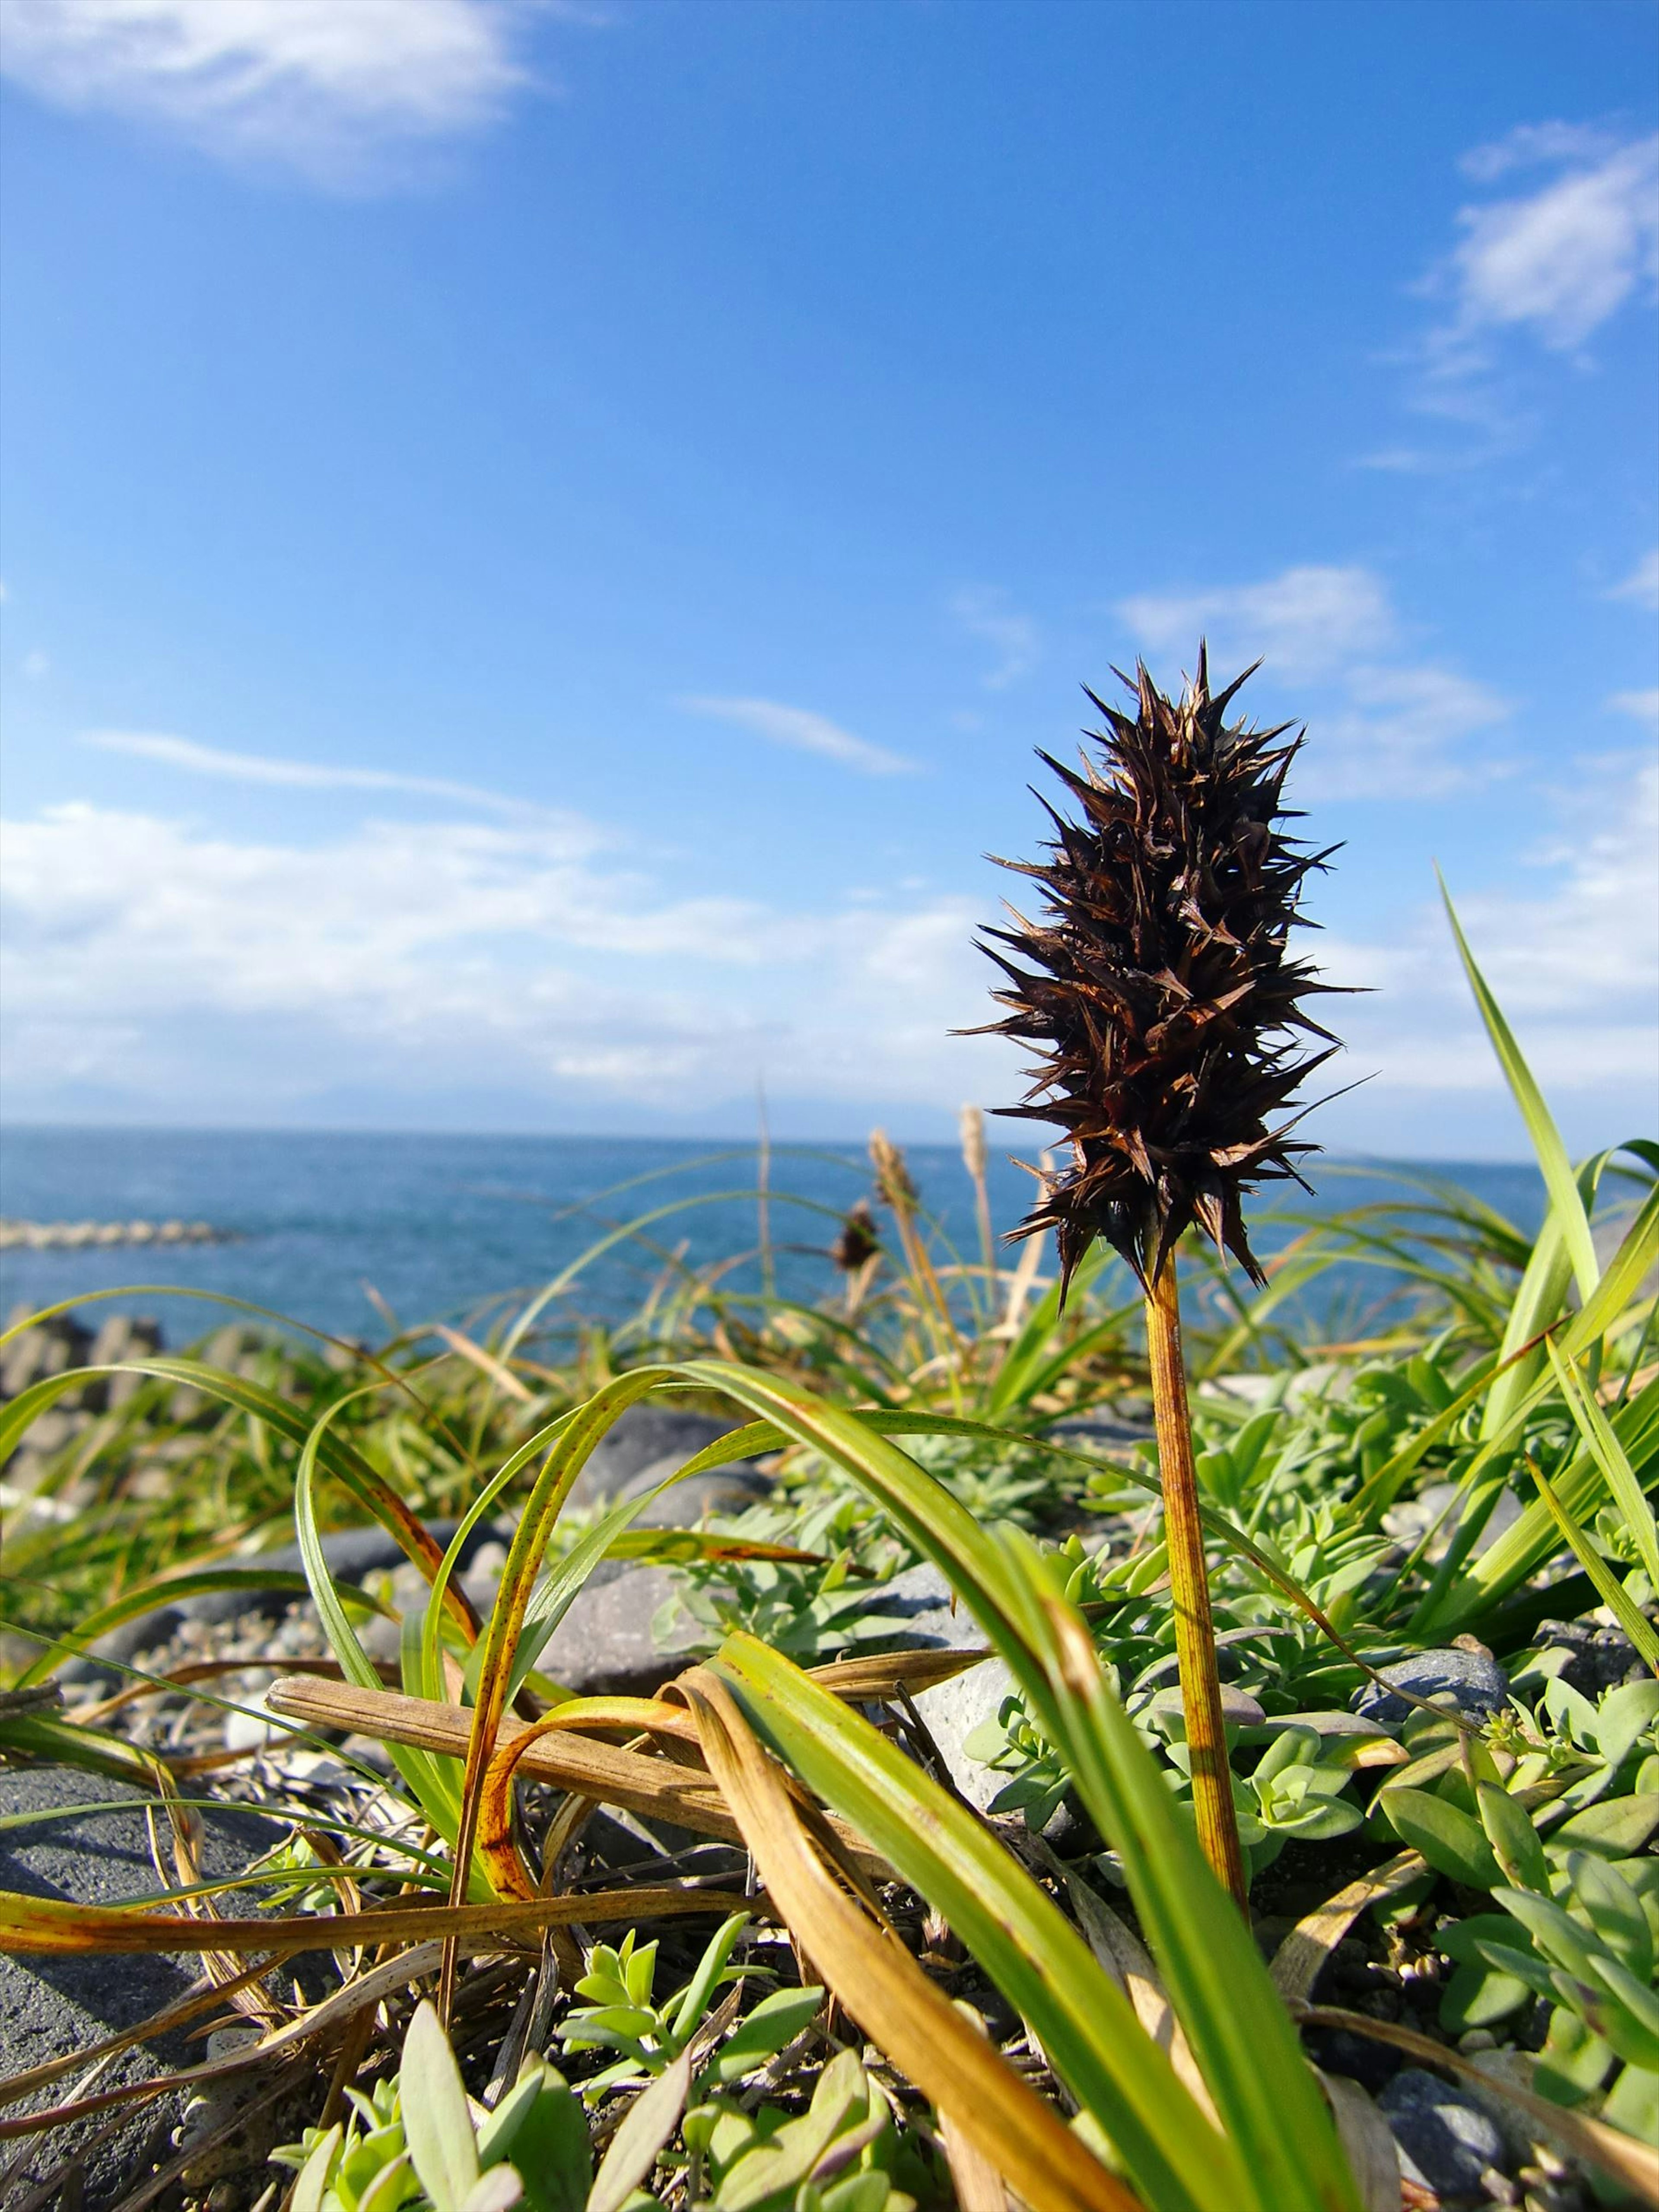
point(1157, 988)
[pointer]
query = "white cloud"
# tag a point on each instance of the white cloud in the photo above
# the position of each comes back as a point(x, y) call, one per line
point(1559, 262)
point(146, 954)
point(802, 731)
point(1531, 144)
point(983, 611)
point(1642, 585)
point(1572, 956)
point(1308, 617)
point(1376, 728)
point(1644, 706)
point(301, 776)
point(320, 85)
point(1403, 733)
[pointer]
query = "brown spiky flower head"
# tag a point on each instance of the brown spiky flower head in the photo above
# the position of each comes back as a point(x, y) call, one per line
point(1158, 986)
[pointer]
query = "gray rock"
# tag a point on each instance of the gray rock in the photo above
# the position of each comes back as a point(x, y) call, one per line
point(928, 1613)
point(646, 1435)
point(952, 1710)
point(1473, 1680)
point(1446, 2141)
point(603, 1645)
point(722, 1490)
point(52, 2006)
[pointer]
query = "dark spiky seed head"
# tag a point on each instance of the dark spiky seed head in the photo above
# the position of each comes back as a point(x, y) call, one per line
point(857, 1241)
point(1157, 987)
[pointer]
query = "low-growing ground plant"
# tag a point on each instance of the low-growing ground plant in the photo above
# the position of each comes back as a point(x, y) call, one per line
point(736, 1943)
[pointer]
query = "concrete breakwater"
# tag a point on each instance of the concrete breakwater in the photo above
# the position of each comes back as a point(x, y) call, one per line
point(68, 1236)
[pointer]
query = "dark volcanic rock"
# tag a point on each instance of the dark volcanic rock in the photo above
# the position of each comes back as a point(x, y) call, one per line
point(1473, 1680)
point(1597, 1659)
point(54, 2005)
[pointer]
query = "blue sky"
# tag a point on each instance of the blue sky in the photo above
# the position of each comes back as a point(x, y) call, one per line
point(539, 540)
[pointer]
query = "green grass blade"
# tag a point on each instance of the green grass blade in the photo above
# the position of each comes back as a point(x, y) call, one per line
point(1086, 2026)
point(1634, 1622)
point(1551, 1153)
point(1241, 2036)
point(1608, 1454)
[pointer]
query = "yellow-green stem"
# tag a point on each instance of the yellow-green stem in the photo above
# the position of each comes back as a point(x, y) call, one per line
point(1200, 1682)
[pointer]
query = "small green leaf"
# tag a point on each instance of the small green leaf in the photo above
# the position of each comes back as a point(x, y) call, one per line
point(1515, 1843)
point(437, 2120)
point(1556, 1933)
point(1449, 1839)
point(648, 2123)
point(1478, 1995)
point(1615, 1911)
point(496, 2189)
point(1616, 1828)
point(1574, 2060)
point(1622, 1715)
point(551, 2148)
point(776, 2020)
point(1630, 2022)
point(314, 2173)
point(1632, 2104)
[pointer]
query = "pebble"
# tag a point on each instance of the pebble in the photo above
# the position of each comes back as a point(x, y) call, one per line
point(1446, 2141)
point(1473, 1681)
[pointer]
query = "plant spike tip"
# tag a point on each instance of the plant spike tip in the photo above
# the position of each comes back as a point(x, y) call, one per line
point(1157, 988)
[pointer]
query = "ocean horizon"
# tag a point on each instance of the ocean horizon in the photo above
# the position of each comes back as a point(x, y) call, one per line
point(352, 1231)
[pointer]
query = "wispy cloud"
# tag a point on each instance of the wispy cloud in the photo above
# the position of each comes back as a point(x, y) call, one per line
point(984, 612)
point(1543, 272)
point(320, 86)
point(1642, 585)
point(1303, 619)
point(1557, 262)
point(1642, 706)
point(298, 775)
point(1381, 727)
point(801, 730)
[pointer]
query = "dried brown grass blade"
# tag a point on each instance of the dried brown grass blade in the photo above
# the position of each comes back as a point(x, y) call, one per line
point(884, 1674)
point(1301, 1958)
point(1368, 2140)
point(46, 1926)
point(485, 1362)
point(885, 1989)
point(655, 1788)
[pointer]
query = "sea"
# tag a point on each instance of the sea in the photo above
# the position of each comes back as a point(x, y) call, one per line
point(363, 1235)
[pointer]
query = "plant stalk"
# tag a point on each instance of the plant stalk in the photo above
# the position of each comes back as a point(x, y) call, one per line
point(1200, 1682)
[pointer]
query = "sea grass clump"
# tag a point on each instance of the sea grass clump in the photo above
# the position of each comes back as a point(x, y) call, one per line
point(1157, 987)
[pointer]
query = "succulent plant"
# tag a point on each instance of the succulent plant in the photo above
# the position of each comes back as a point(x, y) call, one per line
point(1160, 989)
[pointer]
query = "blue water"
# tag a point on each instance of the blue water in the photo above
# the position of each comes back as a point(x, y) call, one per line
point(436, 1227)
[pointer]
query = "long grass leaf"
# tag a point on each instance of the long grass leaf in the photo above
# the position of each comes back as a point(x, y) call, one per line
point(1087, 2028)
point(885, 1990)
point(1562, 1184)
point(1612, 1592)
point(1608, 1454)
